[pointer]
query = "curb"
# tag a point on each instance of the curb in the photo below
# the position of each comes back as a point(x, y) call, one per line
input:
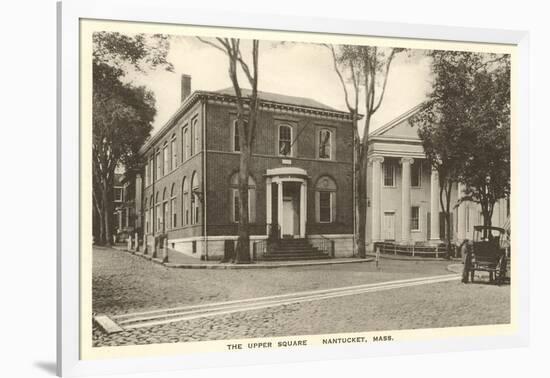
point(263, 266)
point(244, 266)
point(406, 258)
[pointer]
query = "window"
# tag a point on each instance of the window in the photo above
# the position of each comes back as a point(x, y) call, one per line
point(236, 141)
point(285, 140)
point(325, 200)
point(165, 213)
point(236, 205)
point(186, 147)
point(159, 166)
point(325, 208)
point(196, 136)
point(416, 174)
point(195, 199)
point(235, 198)
point(415, 218)
point(159, 214)
point(174, 150)
point(173, 207)
point(389, 174)
point(185, 201)
point(151, 215)
point(325, 144)
point(118, 194)
point(146, 174)
point(146, 216)
point(165, 159)
point(152, 171)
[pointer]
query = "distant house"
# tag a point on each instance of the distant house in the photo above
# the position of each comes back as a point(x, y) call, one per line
point(403, 191)
point(127, 221)
point(300, 183)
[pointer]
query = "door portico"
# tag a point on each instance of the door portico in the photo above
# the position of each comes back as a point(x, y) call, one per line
point(286, 200)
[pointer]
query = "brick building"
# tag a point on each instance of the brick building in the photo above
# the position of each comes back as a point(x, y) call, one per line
point(301, 178)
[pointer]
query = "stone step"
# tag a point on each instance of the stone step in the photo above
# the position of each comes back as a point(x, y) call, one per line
point(294, 252)
point(298, 248)
point(296, 257)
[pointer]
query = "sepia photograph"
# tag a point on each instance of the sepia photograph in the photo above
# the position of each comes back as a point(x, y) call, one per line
point(268, 189)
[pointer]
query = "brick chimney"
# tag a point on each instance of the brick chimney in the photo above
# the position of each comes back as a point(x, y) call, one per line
point(185, 86)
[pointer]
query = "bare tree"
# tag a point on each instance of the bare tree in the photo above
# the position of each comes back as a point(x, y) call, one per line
point(247, 116)
point(366, 70)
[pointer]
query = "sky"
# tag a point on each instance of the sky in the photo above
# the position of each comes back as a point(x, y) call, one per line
point(295, 69)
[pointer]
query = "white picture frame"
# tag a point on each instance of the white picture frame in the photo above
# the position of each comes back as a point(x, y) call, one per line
point(68, 218)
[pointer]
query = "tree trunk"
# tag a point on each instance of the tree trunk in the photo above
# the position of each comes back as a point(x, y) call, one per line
point(446, 188)
point(361, 183)
point(107, 213)
point(242, 253)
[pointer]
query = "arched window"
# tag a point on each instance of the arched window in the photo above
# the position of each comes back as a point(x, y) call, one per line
point(194, 198)
point(234, 198)
point(151, 215)
point(285, 140)
point(325, 144)
point(158, 213)
point(173, 207)
point(165, 213)
point(146, 216)
point(325, 200)
point(185, 201)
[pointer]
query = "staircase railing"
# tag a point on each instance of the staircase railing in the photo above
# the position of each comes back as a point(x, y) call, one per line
point(260, 248)
point(324, 245)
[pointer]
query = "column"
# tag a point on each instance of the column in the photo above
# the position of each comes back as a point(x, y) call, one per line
point(406, 199)
point(268, 202)
point(280, 206)
point(303, 196)
point(434, 207)
point(461, 232)
point(375, 203)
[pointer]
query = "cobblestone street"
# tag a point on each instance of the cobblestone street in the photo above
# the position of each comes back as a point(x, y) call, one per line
point(123, 283)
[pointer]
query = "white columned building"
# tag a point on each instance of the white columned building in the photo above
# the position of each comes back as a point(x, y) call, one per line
point(403, 204)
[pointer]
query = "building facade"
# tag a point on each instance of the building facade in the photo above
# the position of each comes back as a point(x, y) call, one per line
point(300, 183)
point(403, 192)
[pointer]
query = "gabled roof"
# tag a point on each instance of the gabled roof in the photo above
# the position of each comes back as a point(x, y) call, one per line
point(280, 98)
point(399, 127)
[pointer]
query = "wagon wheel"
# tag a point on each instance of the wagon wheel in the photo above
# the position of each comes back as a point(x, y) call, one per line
point(502, 264)
point(466, 269)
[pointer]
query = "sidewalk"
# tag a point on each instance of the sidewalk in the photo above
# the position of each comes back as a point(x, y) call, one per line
point(185, 262)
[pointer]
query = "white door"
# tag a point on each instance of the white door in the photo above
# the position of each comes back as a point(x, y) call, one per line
point(388, 232)
point(288, 217)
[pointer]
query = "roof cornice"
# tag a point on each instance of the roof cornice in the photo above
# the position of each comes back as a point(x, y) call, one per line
point(231, 99)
